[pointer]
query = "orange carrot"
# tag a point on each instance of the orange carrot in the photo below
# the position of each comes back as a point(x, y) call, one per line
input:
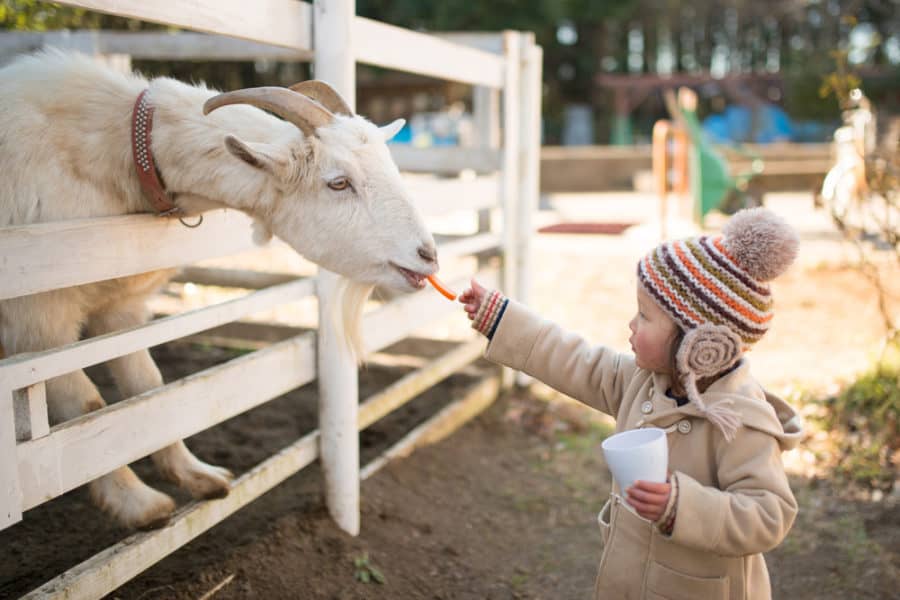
point(440, 287)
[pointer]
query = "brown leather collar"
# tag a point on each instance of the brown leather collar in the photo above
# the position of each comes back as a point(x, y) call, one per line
point(151, 183)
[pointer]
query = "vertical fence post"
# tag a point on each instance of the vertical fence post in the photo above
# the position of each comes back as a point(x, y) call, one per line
point(335, 62)
point(10, 494)
point(486, 125)
point(529, 165)
point(30, 405)
point(510, 174)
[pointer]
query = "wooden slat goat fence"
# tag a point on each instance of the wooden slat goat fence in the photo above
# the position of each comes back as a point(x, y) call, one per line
point(39, 463)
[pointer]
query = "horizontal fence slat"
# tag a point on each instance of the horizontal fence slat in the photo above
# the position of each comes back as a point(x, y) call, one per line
point(488, 41)
point(448, 160)
point(237, 278)
point(470, 245)
point(104, 572)
point(191, 45)
point(46, 256)
point(435, 197)
point(397, 48)
point(439, 426)
point(84, 448)
point(26, 369)
point(407, 387)
point(285, 23)
point(149, 45)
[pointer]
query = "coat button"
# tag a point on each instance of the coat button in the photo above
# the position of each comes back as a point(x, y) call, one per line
point(647, 407)
point(684, 426)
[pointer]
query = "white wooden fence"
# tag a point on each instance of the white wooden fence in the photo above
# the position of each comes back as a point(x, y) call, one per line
point(39, 463)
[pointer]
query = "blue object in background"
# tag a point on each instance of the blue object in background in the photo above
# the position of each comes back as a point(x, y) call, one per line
point(737, 125)
point(774, 125)
point(404, 136)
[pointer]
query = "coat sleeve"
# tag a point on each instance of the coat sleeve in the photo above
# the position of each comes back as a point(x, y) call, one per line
point(754, 509)
point(594, 375)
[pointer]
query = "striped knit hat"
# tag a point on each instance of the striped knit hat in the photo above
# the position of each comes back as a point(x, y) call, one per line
point(715, 288)
point(722, 279)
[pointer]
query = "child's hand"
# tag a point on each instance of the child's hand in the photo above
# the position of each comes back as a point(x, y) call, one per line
point(472, 298)
point(649, 499)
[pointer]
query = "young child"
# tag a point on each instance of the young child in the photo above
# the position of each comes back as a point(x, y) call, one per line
point(702, 303)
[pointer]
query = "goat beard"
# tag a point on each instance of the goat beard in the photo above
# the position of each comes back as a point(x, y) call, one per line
point(346, 314)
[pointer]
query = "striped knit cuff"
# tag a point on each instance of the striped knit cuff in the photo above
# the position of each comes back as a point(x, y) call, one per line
point(666, 522)
point(489, 313)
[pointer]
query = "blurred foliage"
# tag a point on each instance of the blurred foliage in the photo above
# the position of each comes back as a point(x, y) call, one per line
point(862, 421)
point(31, 15)
point(614, 36)
point(803, 97)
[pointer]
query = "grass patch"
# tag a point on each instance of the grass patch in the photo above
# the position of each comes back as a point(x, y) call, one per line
point(862, 423)
point(366, 572)
point(584, 441)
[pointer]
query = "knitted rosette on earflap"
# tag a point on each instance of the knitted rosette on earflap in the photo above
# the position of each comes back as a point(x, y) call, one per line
point(716, 289)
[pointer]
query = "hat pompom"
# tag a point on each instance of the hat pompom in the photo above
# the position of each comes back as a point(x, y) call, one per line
point(761, 242)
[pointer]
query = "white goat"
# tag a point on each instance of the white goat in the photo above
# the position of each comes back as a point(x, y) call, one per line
point(323, 182)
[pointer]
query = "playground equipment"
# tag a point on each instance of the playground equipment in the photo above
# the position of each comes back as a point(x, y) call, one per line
point(700, 168)
point(668, 139)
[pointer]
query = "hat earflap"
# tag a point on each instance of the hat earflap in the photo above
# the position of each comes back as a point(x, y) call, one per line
point(707, 350)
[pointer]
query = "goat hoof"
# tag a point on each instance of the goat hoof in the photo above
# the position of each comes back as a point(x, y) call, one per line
point(155, 513)
point(130, 501)
point(207, 481)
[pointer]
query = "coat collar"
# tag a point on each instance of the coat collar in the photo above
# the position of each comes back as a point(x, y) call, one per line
point(758, 408)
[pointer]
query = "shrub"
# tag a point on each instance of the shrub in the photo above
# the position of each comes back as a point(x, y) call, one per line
point(862, 424)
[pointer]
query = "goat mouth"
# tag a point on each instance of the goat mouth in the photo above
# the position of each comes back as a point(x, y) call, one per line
point(414, 278)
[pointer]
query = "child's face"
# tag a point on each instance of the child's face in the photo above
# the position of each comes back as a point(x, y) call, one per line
point(652, 334)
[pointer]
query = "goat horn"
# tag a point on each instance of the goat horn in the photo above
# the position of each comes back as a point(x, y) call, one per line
point(305, 113)
point(324, 94)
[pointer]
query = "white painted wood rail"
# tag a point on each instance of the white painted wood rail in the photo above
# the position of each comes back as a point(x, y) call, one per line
point(39, 462)
point(46, 256)
point(285, 23)
point(389, 46)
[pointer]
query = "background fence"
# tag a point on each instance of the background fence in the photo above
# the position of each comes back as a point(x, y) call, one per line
point(39, 463)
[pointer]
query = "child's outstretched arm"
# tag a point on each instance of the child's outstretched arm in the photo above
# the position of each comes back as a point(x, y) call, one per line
point(524, 341)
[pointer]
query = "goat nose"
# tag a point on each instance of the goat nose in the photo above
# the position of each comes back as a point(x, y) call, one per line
point(428, 253)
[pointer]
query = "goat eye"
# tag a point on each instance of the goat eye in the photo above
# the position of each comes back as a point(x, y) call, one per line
point(339, 183)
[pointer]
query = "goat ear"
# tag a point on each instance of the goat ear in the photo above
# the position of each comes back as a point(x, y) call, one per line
point(389, 131)
point(266, 157)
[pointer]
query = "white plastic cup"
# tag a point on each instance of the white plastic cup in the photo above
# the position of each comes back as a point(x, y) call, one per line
point(637, 454)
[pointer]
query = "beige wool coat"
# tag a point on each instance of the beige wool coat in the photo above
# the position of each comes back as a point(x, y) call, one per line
point(734, 501)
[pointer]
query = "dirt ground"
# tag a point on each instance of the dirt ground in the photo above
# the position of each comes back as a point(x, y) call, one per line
point(505, 508)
